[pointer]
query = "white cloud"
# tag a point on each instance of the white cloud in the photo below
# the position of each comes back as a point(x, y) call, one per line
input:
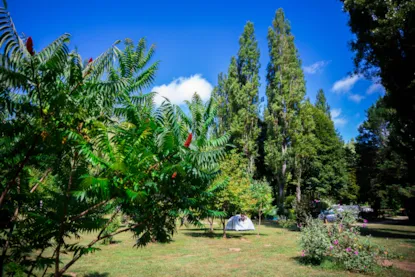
point(182, 89)
point(335, 112)
point(315, 67)
point(337, 119)
point(345, 84)
point(375, 88)
point(356, 97)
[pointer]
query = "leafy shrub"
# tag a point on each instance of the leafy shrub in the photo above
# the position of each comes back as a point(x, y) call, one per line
point(340, 243)
point(289, 201)
point(315, 241)
point(291, 214)
point(286, 223)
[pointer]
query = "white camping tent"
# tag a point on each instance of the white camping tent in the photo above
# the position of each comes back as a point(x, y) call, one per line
point(239, 223)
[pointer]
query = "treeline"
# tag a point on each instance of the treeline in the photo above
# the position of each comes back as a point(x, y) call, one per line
point(293, 144)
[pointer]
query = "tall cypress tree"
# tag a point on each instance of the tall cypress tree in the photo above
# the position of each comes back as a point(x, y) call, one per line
point(321, 103)
point(304, 147)
point(222, 100)
point(237, 95)
point(285, 91)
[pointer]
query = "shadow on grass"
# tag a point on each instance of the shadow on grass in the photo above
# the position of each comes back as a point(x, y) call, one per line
point(275, 225)
point(114, 242)
point(393, 221)
point(220, 235)
point(306, 261)
point(387, 233)
point(97, 274)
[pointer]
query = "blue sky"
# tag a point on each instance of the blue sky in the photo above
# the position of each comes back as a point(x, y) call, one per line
point(196, 39)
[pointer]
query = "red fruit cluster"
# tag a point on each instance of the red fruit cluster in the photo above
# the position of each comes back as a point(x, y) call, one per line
point(174, 175)
point(29, 46)
point(188, 140)
point(90, 60)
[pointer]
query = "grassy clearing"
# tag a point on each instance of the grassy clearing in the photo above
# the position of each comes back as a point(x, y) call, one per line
point(197, 253)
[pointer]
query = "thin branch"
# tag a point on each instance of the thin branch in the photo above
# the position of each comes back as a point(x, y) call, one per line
point(9, 235)
point(49, 170)
point(70, 263)
point(65, 211)
point(48, 266)
point(19, 170)
point(117, 210)
point(34, 264)
point(157, 164)
point(90, 209)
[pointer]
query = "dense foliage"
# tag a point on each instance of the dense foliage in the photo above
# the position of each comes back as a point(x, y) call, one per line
point(79, 142)
point(285, 91)
point(384, 50)
point(237, 95)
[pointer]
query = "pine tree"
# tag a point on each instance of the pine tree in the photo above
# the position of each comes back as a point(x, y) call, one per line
point(237, 95)
point(285, 91)
point(321, 103)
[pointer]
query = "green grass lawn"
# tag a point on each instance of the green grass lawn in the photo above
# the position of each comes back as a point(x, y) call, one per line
point(196, 253)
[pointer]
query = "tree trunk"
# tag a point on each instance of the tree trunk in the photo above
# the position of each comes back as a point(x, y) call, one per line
point(224, 227)
point(210, 220)
point(251, 165)
point(282, 179)
point(298, 189)
point(259, 217)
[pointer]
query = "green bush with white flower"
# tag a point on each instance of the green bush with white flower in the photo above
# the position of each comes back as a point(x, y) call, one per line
point(340, 243)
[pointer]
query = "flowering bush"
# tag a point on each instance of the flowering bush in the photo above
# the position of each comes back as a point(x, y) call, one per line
point(339, 242)
point(315, 241)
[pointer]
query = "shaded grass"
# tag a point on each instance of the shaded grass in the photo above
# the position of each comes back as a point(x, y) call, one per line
point(195, 252)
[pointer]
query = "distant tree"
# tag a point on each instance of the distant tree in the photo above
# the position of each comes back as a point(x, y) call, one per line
point(352, 192)
point(237, 94)
point(285, 91)
point(262, 195)
point(321, 103)
point(221, 96)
